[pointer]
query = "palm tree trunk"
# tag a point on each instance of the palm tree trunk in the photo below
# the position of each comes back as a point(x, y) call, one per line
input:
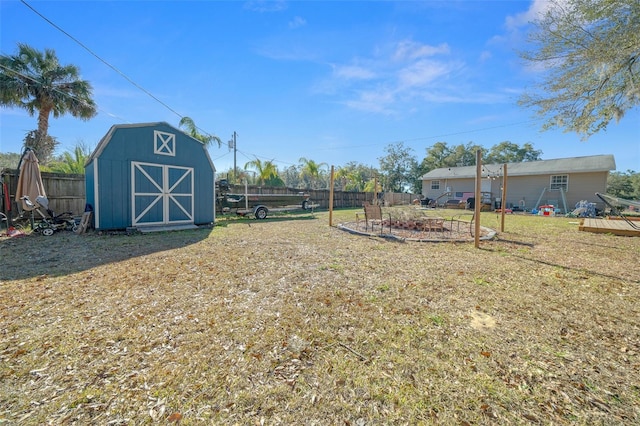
point(43, 121)
point(44, 144)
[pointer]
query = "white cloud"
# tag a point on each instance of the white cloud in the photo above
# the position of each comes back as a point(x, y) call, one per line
point(377, 101)
point(485, 55)
point(265, 5)
point(537, 9)
point(484, 119)
point(297, 22)
point(393, 80)
point(422, 73)
point(353, 72)
point(411, 50)
point(398, 78)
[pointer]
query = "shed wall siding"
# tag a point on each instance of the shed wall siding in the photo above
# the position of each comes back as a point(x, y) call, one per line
point(126, 144)
point(89, 177)
point(113, 187)
point(204, 187)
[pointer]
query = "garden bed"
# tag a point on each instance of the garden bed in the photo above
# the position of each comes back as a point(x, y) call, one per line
point(419, 230)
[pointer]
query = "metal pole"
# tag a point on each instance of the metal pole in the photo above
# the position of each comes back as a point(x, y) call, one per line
point(476, 213)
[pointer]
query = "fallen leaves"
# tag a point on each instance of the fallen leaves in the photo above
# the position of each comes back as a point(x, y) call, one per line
point(174, 417)
point(291, 320)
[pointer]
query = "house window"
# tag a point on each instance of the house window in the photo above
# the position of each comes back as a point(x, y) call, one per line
point(435, 184)
point(559, 182)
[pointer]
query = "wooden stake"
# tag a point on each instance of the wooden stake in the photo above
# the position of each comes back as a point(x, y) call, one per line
point(476, 214)
point(331, 180)
point(504, 196)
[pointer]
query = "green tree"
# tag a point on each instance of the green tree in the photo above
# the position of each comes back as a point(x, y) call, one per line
point(9, 160)
point(342, 178)
point(291, 177)
point(354, 177)
point(590, 52)
point(311, 172)
point(436, 157)
point(624, 185)
point(399, 169)
point(71, 162)
point(266, 171)
point(509, 152)
point(440, 155)
point(372, 185)
point(463, 155)
point(36, 82)
point(192, 130)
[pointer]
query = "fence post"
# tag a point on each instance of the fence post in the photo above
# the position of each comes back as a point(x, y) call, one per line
point(331, 199)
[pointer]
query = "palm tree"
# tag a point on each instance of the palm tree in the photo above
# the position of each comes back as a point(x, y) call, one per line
point(372, 186)
point(192, 130)
point(266, 171)
point(35, 81)
point(72, 163)
point(311, 169)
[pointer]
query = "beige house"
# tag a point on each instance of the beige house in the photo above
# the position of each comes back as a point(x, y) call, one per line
point(562, 182)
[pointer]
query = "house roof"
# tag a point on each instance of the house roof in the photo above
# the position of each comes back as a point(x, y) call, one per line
point(593, 163)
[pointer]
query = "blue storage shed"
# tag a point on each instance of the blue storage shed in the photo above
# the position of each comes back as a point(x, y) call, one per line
point(150, 175)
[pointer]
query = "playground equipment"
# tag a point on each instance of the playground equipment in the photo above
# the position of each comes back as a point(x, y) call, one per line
point(546, 210)
point(583, 209)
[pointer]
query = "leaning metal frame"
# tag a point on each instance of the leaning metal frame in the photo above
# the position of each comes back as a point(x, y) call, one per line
point(615, 209)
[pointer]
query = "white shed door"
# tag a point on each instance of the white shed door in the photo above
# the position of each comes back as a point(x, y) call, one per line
point(161, 194)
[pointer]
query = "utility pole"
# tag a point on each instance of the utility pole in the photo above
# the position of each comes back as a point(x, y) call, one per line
point(232, 144)
point(235, 150)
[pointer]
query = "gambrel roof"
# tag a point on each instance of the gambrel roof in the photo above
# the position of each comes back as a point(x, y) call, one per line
point(107, 138)
point(589, 164)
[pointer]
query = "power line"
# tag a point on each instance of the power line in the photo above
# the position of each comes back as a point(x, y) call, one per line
point(100, 59)
point(391, 142)
point(273, 160)
point(222, 156)
point(256, 156)
point(429, 137)
point(27, 77)
point(106, 63)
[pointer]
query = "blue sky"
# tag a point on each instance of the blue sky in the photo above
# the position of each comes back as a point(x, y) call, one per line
point(330, 81)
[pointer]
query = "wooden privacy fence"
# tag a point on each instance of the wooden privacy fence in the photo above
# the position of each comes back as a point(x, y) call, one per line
point(65, 192)
point(341, 199)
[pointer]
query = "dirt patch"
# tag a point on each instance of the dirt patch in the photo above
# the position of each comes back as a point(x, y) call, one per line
point(482, 321)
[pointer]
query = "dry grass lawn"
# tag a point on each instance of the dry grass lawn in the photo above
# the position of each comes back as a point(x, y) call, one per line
point(295, 322)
